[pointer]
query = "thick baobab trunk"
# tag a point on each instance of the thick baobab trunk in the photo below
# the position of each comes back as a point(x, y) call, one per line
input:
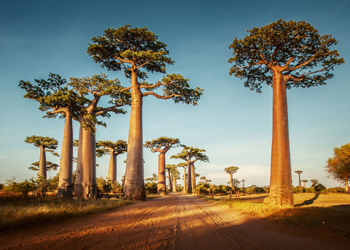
point(170, 181)
point(42, 162)
point(299, 182)
point(174, 185)
point(185, 187)
point(347, 186)
point(78, 188)
point(65, 185)
point(193, 179)
point(112, 170)
point(134, 188)
point(231, 181)
point(281, 177)
point(189, 179)
point(89, 165)
point(161, 174)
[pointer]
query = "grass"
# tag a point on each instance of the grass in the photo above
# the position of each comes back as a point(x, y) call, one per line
point(330, 212)
point(17, 212)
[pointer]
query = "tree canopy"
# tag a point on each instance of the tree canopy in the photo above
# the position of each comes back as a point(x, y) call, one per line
point(188, 153)
point(106, 147)
point(49, 166)
point(48, 143)
point(338, 166)
point(292, 48)
point(161, 143)
point(231, 170)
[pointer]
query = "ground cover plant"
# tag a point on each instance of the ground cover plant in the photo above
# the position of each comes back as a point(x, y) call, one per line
point(329, 212)
point(17, 211)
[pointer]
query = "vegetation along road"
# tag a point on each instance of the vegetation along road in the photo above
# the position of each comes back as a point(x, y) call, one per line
point(176, 221)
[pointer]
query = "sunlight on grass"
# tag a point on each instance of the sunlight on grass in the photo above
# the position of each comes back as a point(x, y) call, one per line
point(34, 212)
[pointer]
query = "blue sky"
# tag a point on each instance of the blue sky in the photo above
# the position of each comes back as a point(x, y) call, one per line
point(231, 122)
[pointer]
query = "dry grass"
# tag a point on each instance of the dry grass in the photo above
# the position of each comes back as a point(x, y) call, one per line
point(329, 212)
point(32, 211)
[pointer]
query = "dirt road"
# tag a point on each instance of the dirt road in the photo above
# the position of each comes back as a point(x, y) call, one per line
point(173, 222)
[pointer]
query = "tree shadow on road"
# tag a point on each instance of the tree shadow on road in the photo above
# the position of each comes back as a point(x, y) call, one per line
point(308, 202)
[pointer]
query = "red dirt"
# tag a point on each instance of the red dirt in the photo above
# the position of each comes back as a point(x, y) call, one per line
point(175, 221)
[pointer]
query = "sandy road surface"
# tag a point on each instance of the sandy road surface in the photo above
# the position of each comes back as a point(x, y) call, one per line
point(173, 222)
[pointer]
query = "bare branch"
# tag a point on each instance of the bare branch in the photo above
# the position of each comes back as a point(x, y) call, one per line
point(160, 96)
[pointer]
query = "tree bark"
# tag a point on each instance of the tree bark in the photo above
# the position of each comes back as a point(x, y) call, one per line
point(281, 178)
point(185, 187)
point(174, 185)
point(89, 165)
point(65, 187)
point(193, 179)
point(189, 179)
point(42, 162)
point(231, 180)
point(78, 189)
point(134, 188)
point(347, 186)
point(112, 170)
point(299, 182)
point(170, 181)
point(161, 174)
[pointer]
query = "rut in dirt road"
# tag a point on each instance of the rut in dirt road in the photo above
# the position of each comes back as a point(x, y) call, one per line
point(176, 221)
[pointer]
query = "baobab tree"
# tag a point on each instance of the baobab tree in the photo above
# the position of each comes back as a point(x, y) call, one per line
point(162, 145)
point(299, 172)
point(304, 182)
point(338, 166)
point(184, 166)
point(231, 170)
point(283, 55)
point(191, 155)
point(170, 168)
point(49, 166)
point(137, 51)
point(56, 99)
point(114, 149)
point(96, 87)
point(46, 144)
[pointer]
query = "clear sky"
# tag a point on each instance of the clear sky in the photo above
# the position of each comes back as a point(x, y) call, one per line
point(232, 123)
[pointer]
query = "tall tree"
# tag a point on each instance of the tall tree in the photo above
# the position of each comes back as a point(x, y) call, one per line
point(169, 168)
point(161, 145)
point(94, 87)
point(283, 55)
point(137, 51)
point(56, 99)
point(338, 166)
point(231, 170)
point(299, 172)
point(184, 165)
point(114, 149)
point(191, 155)
point(243, 180)
point(46, 144)
point(304, 182)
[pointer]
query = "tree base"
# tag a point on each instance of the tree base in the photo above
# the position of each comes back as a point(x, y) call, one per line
point(281, 197)
point(65, 192)
point(78, 190)
point(134, 193)
point(89, 191)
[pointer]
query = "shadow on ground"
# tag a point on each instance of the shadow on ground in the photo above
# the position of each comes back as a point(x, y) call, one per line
point(308, 202)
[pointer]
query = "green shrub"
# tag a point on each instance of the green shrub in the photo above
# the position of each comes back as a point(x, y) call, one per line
point(151, 187)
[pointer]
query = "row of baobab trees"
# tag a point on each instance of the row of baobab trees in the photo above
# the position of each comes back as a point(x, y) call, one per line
point(281, 54)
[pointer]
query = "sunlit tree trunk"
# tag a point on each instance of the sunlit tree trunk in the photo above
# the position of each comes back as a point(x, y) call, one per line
point(65, 187)
point(231, 180)
point(174, 184)
point(347, 185)
point(170, 181)
point(193, 179)
point(189, 179)
point(161, 174)
point(112, 170)
point(185, 186)
point(134, 188)
point(89, 165)
point(78, 191)
point(299, 182)
point(42, 162)
point(281, 179)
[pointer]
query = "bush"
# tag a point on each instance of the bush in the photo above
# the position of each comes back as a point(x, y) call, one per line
point(202, 188)
point(151, 187)
point(298, 190)
point(336, 190)
point(23, 187)
point(1, 186)
point(104, 186)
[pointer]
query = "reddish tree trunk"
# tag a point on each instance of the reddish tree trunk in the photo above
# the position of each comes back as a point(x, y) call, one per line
point(281, 179)
point(78, 190)
point(299, 182)
point(42, 162)
point(347, 186)
point(170, 181)
point(189, 179)
point(89, 165)
point(193, 179)
point(174, 185)
point(112, 170)
point(185, 187)
point(65, 187)
point(161, 174)
point(134, 188)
